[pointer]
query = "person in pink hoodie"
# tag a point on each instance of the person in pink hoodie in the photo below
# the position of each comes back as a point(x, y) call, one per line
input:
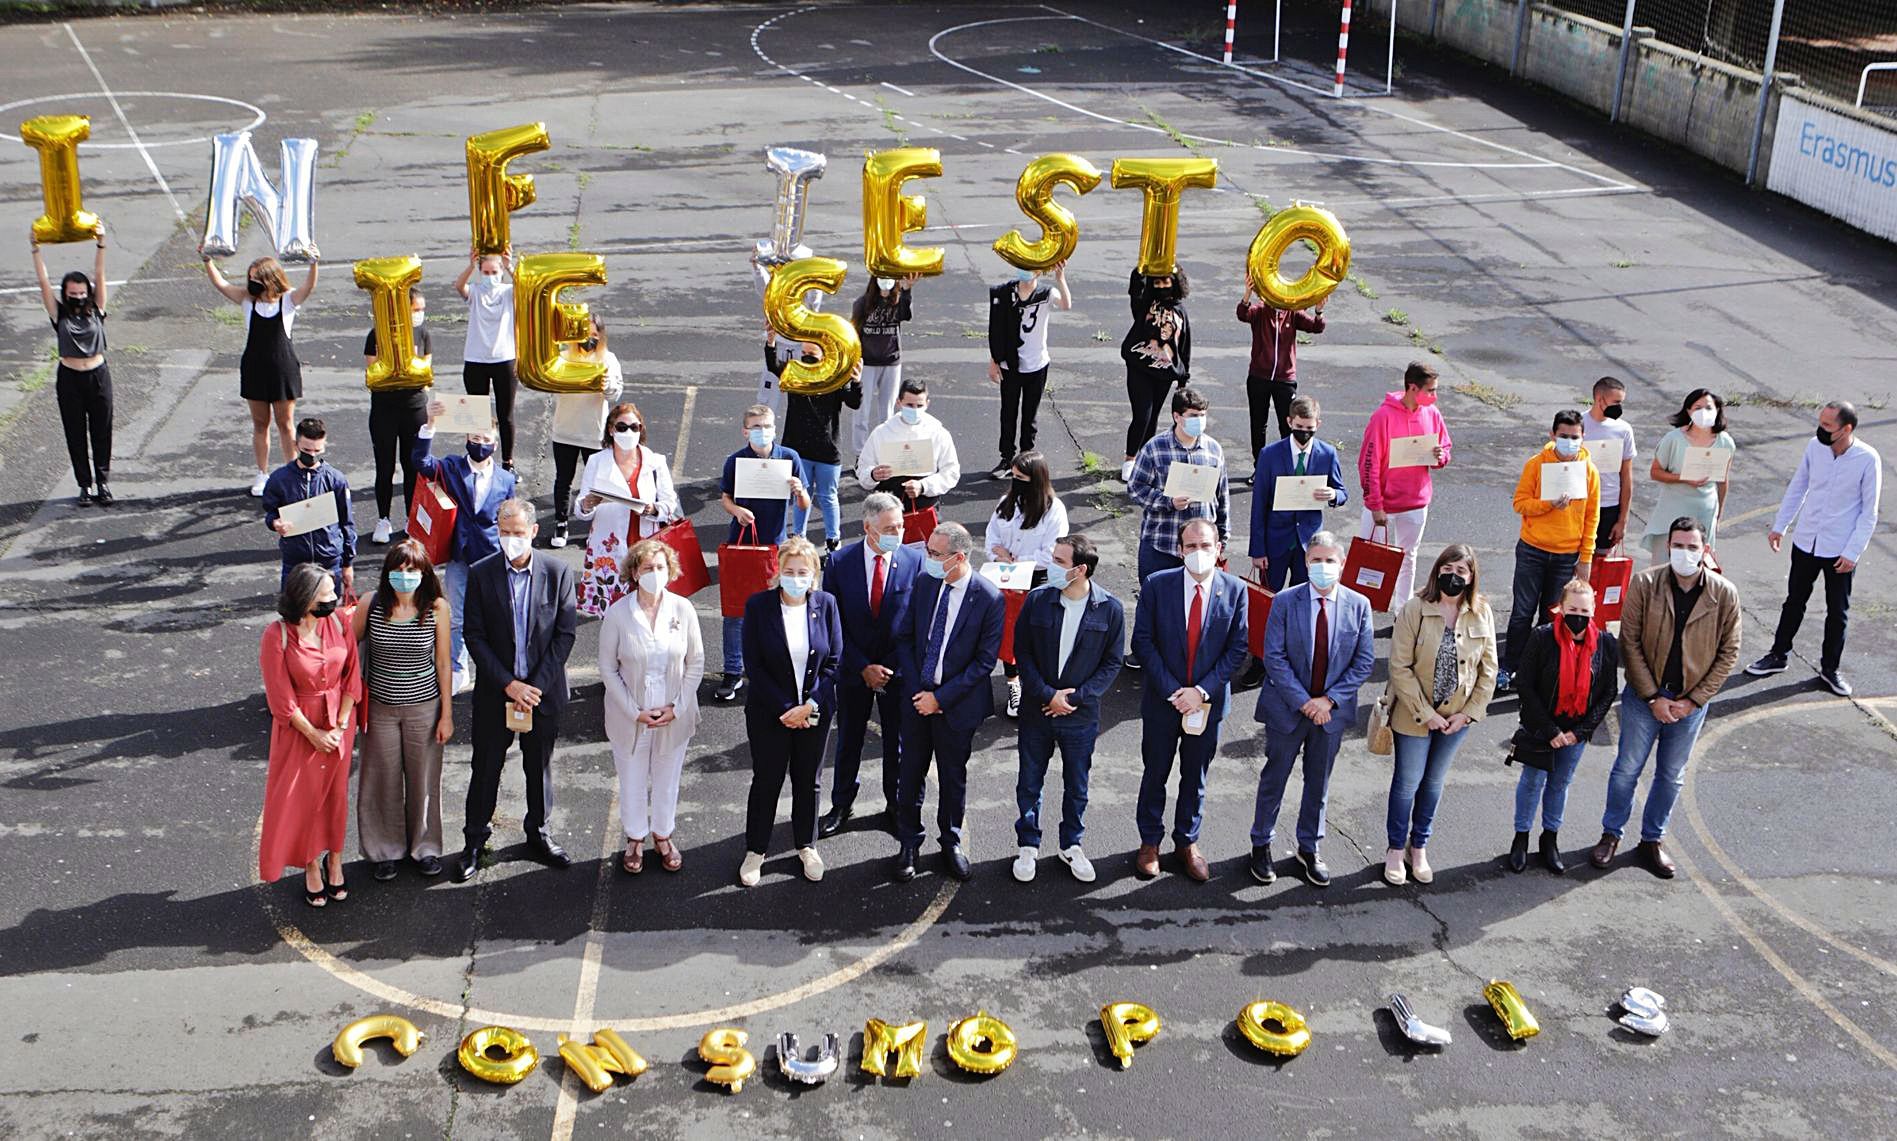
point(1396, 499)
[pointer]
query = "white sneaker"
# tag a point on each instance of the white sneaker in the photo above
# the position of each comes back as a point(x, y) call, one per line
point(382, 531)
point(1014, 697)
point(1078, 863)
point(1024, 863)
point(464, 683)
point(1393, 873)
point(1419, 866)
point(256, 485)
point(1126, 472)
point(813, 864)
point(751, 870)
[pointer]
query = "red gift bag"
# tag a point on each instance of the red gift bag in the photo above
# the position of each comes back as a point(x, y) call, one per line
point(1609, 575)
point(431, 517)
point(1257, 613)
point(693, 576)
point(1371, 568)
point(743, 570)
point(917, 526)
point(1012, 601)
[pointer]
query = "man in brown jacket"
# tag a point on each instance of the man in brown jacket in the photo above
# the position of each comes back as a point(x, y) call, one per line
point(1679, 638)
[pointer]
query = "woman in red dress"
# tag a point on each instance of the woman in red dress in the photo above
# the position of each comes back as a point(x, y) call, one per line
point(312, 680)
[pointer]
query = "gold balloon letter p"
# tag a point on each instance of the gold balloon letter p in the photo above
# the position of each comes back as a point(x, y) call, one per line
point(390, 282)
point(493, 193)
point(1034, 193)
point(905, 1040)
point(1127, 1024)
point(1162, 180)
point(543, 322)
point(888, 213)
point(1310, 224)
point(57, 139)
point(784, 308)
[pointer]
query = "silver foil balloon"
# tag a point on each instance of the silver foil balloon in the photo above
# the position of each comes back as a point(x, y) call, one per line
point(1414, 1028)
point(1645, 1011)
point(795, 171)
point(286, 209)
point(808, 1071)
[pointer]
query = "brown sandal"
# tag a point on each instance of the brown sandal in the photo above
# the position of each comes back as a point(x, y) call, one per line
point(669, 859)
point(632, 860)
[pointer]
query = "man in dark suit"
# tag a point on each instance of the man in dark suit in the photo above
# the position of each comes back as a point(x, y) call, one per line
point(478, 483)
point(521, 620)
point(872, 580)
point(1318, 653)
point(1191, 637)
point(1067, 642)
point(1279, 534)
point(946, 653)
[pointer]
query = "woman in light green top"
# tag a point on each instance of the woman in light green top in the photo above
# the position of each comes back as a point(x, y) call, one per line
point(1700, 423)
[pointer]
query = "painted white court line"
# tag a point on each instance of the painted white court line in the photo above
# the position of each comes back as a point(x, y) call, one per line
point(898, 90)
point(125, 122)
point(196, 140)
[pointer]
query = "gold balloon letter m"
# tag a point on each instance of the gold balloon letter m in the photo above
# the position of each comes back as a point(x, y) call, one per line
point(542, 322)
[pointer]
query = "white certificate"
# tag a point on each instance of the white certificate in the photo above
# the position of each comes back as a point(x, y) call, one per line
point(1197, 482)
point(1710, 464)
point(1298, 493)
point(1564, 481)
point(761, 479)
point(1607, 455)
point(915, 458)
point(1009, 576)
point(1413, 451)
point(306, 515)
point(466, 414)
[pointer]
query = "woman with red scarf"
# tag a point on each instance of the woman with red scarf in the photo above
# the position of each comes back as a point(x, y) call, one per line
point(1567, 683)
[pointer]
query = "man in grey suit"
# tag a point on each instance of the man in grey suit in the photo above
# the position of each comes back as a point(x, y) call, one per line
point(1318, 652)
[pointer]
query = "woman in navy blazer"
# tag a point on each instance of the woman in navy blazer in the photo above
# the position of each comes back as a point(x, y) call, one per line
point(793, 642)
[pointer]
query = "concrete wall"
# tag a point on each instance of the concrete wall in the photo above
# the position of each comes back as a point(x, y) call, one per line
point(1708, 107)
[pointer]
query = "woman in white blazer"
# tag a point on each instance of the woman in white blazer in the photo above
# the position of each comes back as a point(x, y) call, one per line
point(651, 659)
point(622, 480)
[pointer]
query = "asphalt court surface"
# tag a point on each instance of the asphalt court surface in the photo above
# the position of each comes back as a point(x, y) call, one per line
point(1531, 245)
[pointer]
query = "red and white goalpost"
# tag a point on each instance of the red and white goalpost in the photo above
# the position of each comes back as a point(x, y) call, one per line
point(1343, 42)
point(1343, 49)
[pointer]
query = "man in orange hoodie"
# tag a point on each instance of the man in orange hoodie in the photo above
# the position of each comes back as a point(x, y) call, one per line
point(1558, 534)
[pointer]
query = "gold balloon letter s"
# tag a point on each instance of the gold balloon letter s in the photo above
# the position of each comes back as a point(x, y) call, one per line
point(389, 282)
point(730, 1062)
point(57, 139)
point(543, 322)
point(1286, 228)
point(1162, 180)
point(784, 308)
point(1034, 193)
point(493, 193)
point(888, 213)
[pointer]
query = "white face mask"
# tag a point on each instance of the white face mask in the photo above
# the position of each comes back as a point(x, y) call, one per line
point(910, 414)
point(795, 585)
point(1705, 417)
point(652, 581)
point(626, 440)
point(515, 546)
point(416, 319)
point(1201, 562)
point(491, 283)
point(1685, 563)
point(885, 283)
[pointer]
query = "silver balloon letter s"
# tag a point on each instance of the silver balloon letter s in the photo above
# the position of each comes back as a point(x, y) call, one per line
point(795, 170)
point(286, 210)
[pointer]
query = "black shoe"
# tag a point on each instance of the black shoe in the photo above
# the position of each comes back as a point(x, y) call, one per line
point(1003, 469)
point(104, 498)
point(466, 865)
point(1260, 865)
point(956, 862)
point(384, 870)
point(1518, 853)
point(1253, 677)
point(1768, 665)
point(730, 688)
point(1834, 681)
point(85, 500)
point(904, 868)
point(549, 853)
point(1312, 865)
point(1130, 662)
point(429, 865)
point(1551, 852)
point(832, 822)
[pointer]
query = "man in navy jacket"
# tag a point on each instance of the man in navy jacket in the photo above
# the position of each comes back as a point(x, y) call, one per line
point(1279, 535)
point(874, 619)
point(1067, 642)
point(332, 547)
point(946, 653)
point(478, 483)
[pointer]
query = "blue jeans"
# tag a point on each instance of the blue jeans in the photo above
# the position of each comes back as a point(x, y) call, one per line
point(1416, 784)
point(1539, 577)
point(1547, 787)
point(454, 575)
point(1038, 736)
point(1639, 729)
point(821, 481)
point(1281, 753)
point(734, 647)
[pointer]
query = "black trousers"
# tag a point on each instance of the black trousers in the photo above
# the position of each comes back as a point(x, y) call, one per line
point(927, 740)
point(1604, 534)
point(775, 753)
point(1806, 567)
point(478, 378)
point(1147, 396)
point(566, 460)
point(1265, 398)
point(855, 703)
point(85, 410)
point(491, 742)
point(893, 485)
point(1020, 399)
point(394, 418)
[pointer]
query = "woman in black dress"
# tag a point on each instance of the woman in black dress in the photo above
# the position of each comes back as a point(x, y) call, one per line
point(1157, 351)
point(271, 378)
point(77, 309)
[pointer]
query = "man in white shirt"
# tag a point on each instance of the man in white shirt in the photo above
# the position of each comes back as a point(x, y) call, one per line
point(487, 355)
point(1603, 424)
point(911, 424)
point(1833, 496)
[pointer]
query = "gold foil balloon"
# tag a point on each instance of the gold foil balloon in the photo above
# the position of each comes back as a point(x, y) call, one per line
point(401, 1033)
point(493, 194)
point(981, 1044)
point(730, 1062)
point(905, 1040)
point(286, 209)
point(595, 1064)
point(389, 282)
point(57, 139)
point(1034, 193)
point(1162, 180)
point(1507, 1003)
point(499, 1055)
point(787, 313)
point(1127, 1024)
point(1287, 227)
point(543, 322)
point(888, 213)
point(1274, 1028)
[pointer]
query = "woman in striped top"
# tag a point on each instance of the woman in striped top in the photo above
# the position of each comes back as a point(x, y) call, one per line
point(405, 665)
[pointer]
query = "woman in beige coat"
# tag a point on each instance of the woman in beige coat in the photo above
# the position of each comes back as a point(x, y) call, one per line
point(651, 659)
point(1442, 674)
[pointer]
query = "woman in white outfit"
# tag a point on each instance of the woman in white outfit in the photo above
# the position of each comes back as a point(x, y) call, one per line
point(579, 422)
point(651, 660)
point(623, 480)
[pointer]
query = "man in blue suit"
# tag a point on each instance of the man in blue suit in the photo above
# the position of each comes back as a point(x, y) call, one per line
point(1278, 537)
point(945, 654)
point(872, 580)
point(1318, 652)
point(1190, 634)
point(478, 484)
point(1067, 642)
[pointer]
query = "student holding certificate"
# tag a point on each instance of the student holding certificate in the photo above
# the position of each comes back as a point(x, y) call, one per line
point(1282, 521)
point(1611, 447)
point(910, 455)
point(1168, 500)
point(1692, 465)
point(1559, 499)
point(1405, 440)
point(306, 502)
point(757, 489)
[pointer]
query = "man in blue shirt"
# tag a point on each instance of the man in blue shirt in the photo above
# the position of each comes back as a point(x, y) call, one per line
point(759, 521)
point(332, 546)
point(1162, 515)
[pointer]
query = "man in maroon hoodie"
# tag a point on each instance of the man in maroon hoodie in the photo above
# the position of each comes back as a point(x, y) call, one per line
point(1273, 378)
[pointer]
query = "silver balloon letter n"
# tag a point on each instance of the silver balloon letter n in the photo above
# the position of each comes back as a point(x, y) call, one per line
point(286, 209)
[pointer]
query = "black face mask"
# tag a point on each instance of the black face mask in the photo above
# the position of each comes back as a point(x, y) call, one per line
point(1576, 623)
point(75, 304)
point(590, 343)
point(1021, 480)
point(324, 609)
point(1303, 435)
point(1612, 411)
point(1827, 438)
point(308, 460)
point(1451, 584)
point(255, 287)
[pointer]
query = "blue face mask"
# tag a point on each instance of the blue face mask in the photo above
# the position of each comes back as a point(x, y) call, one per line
point(795, 586)
point(934, 567)
point(1567, 446)
point(1323, 575)
point(1193, 426)
point(910, 414)
point(887, 544)
point(1024, 275)
point(760, 437)
point(479, 452)
point(405, 581)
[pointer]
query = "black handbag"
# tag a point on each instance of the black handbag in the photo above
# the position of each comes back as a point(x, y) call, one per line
point(1526, 749)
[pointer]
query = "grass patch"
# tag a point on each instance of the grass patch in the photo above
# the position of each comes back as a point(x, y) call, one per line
point(1797, 401)
point(585, 179)
point(892, 122)
point(361, 123)
point(1048, 49)
point(1363, 288)
point(40, 375)
point(225, 315)
point(1110, 504)
point(1172, 132)
point(974, 333)
point(1488, 394)
point(1103, 336)
point(573, 236)
point(1093, 463)
point(1622, 263)
point(136, 350)
point(1263, 205)
point(1396, 317)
